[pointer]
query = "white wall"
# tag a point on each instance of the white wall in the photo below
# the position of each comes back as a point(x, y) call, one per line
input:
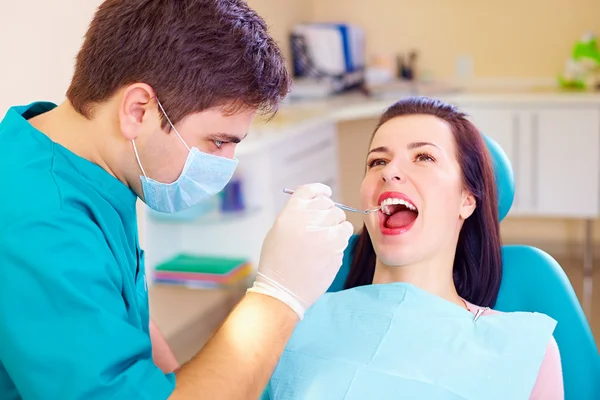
point(39, 40)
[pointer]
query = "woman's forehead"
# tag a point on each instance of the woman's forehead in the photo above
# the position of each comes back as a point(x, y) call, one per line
point(401, 131)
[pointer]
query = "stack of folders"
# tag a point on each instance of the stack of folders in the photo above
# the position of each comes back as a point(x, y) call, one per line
point(204, 272)
point(329, 49)
point(327, 58)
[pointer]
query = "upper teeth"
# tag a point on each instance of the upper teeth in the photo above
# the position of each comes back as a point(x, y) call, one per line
point(393, 201)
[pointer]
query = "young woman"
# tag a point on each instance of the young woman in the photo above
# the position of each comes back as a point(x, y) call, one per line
point(431, 260)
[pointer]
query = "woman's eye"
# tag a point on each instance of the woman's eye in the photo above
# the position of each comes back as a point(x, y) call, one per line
point(376, 162)
point(218, 143)
point(424, 157)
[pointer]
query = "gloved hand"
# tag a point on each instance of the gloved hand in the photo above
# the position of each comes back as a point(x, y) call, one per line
point(303, 251)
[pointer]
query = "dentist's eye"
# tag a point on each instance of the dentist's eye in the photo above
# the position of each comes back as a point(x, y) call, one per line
point(424, 157)
point(376, 162)
point(218, 143)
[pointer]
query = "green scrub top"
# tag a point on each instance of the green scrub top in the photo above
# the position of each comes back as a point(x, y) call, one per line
point(73, 294)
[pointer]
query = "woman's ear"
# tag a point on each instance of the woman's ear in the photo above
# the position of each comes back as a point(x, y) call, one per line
point(468, 205)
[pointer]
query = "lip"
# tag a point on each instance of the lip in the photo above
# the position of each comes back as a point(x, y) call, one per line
point(388, 231)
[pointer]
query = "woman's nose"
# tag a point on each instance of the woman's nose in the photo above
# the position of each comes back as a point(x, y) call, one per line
point(391, 173)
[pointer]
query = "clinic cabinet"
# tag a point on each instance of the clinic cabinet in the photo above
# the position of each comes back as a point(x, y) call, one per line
point(554, 149)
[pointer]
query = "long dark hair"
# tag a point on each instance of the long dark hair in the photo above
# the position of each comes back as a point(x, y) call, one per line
point(478, 260)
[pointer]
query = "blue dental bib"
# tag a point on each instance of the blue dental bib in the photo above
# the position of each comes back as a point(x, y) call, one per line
point(396, 341)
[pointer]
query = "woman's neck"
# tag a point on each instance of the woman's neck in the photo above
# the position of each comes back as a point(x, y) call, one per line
point(426, 276)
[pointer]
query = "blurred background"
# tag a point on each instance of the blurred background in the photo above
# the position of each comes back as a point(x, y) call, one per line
point(526, 72)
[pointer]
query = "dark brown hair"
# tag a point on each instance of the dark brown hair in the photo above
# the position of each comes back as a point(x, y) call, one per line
point(196, 54)
point(478, 260)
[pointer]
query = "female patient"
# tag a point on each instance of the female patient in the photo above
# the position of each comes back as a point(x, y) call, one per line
point(415, 319)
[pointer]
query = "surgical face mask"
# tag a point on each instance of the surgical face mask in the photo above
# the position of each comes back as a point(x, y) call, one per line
point(204, 175)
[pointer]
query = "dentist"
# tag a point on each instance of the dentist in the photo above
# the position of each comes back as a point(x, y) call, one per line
point(163, 90)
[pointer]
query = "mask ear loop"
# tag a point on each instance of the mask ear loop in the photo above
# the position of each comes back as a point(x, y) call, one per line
point(172, 126)
point(138, 158)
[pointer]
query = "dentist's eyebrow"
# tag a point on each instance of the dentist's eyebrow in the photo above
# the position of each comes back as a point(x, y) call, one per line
point(227, 137)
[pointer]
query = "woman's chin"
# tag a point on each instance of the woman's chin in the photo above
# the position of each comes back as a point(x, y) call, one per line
point(395, 256)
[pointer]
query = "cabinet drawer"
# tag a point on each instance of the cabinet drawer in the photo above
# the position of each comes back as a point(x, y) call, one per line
point(555, 155)
point(319, 160)
point(303, 151)
point(566, 161)
point(503, 125)
point(326, 173)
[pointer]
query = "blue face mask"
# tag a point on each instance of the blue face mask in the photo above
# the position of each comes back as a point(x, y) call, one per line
point(204, 175)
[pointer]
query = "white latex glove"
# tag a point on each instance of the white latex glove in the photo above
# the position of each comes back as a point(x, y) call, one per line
point(303, 251)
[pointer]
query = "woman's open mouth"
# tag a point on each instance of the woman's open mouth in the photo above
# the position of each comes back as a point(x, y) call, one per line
point(398, 213)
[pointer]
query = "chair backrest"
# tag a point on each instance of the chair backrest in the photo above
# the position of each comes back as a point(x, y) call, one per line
point(533, 281)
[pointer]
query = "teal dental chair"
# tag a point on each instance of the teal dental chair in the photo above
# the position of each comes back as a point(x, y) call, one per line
point(533, 281)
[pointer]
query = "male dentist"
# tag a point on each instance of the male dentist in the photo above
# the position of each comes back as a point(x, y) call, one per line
point(163, 90)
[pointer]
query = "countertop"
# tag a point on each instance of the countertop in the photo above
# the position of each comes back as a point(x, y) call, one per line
point(296, 116)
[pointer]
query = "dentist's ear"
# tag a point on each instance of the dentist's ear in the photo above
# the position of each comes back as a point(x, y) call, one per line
point(468, 205)
point(137, 111)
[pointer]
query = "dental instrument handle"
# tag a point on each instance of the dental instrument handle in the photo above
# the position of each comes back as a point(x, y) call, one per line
point(343, 207)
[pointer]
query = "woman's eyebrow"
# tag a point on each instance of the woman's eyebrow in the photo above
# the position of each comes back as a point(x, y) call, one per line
point(381, 149)
point(416, 145)
point(410, 146)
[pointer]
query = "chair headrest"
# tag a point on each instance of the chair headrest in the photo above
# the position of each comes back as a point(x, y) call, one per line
point(505, 180)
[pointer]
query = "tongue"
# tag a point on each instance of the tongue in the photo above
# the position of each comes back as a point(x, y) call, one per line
point(400, 219)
